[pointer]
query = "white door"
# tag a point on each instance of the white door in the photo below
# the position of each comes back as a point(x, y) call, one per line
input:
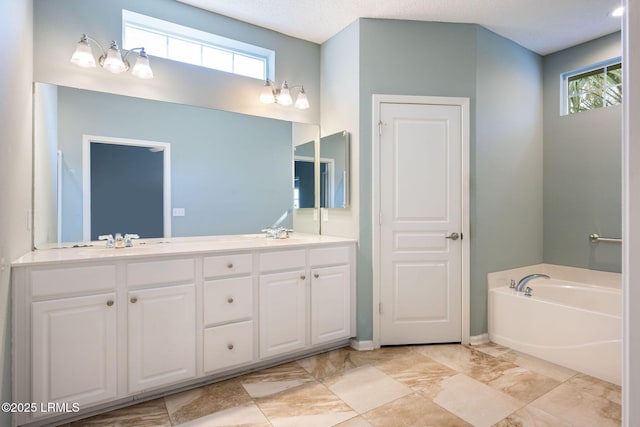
point(74, 349)
point(162, 336)
point(421, 223)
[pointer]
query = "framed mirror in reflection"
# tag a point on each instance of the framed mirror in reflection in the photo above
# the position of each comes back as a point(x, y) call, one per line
point(228, 173)
point(334, 170)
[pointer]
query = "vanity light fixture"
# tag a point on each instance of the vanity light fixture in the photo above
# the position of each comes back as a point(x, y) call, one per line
point(618, 12)
point(273, 95)
point(113, 59)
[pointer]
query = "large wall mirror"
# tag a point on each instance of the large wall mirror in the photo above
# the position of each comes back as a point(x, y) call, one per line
point(215, 172)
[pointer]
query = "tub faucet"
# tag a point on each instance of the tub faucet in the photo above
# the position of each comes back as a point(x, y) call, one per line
point(523, 282)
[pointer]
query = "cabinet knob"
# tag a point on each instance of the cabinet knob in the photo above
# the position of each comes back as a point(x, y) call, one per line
point(230, 265)
point(230, 300)
point(109, 303)
point(303, 277)
point(134, 300)
point(316, 275)
point(230, 346)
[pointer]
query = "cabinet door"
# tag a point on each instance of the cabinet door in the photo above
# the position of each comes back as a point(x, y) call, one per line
point(282, 313)
point(330, 304)
point(162, 339)
point(74, 349)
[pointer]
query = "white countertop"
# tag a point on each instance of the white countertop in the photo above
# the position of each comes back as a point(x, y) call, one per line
point(94, 251)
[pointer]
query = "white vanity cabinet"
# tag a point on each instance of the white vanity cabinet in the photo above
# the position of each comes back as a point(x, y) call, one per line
point(228, 310)
point(73, 334)
point(101, 328)
point(161, 323)
point(74, 349)
point(331, 289)
point(283, 302)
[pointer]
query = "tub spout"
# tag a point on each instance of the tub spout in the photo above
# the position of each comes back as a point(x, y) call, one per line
point(523, 282)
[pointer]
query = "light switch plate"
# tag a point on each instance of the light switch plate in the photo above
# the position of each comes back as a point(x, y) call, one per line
point(178, 212)
point(325, 214)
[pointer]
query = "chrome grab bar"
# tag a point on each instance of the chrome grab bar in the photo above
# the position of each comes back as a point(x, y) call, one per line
point(595, 238)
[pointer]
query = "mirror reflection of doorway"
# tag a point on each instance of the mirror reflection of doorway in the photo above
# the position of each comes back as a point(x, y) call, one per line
point(125, 188)
point(303, 183)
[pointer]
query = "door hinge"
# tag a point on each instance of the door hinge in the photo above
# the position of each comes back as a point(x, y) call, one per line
point(380, 308)
point(380, 218)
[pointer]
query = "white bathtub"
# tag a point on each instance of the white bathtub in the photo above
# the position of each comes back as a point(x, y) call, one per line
point(572, 324)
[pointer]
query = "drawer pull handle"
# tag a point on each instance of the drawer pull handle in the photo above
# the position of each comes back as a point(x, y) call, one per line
point(230, 346)
point(109, 303)
point(230, 265)
point(230, 300)
point(316, 275)
point(303, 277)
point(133, 300)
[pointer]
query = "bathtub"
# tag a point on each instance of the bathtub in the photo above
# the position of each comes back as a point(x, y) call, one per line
point(573, 324)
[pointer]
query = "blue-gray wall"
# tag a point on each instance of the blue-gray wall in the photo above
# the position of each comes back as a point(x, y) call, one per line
point(503, 82)
point(506, 159)
point(582, 167)
point(231, 172)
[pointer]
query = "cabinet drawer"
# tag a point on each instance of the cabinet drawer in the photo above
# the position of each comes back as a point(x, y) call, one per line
point(226, 300)
point(227, 265)
point(282, 260)
point(59, 281)
point(329, 256)
point(228, 345)
point(167, 271)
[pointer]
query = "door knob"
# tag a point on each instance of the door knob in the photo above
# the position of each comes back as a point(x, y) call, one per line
point(453, 236)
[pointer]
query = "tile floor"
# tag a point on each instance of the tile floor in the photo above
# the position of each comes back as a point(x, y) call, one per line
point(436, 385)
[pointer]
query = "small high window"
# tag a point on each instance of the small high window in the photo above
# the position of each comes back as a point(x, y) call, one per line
point(184, 44)
point(594, 87)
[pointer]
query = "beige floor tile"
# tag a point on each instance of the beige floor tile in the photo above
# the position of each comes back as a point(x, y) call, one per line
point(491, 349)
point(418, 371)
point(275, 380)
point(532, 417)
point(523, 384)
point(598, 387)
point(239, 416)
point(476, 364)
point(311, 404)
point(152, 413)
point(548, 369)
point(366, 388)
point(358, 421)
point(573, 404)
point(326, 364)
point(210, 399)
point(413, 410)
point(475, 402)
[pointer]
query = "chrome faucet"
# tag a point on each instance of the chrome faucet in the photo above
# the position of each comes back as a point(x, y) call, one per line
point(523, 282)
point(109, 239)
point(277, 233)
point(119, 241)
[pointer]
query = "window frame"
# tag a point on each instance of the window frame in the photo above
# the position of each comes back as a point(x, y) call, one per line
point(204, 39)
point(565, 77)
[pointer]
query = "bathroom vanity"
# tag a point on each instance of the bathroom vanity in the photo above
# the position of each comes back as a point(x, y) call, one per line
point(94, 328)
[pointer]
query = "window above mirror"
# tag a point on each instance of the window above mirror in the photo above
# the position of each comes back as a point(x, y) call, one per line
point(184, 44)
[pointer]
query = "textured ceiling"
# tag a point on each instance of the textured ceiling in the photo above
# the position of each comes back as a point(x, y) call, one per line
point(543, 26)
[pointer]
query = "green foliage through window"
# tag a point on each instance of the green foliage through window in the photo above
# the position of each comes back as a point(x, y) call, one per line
point(597, 88)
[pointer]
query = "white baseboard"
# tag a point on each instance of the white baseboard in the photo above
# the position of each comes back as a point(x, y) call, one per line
point(479, 339)
point(361, 345)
